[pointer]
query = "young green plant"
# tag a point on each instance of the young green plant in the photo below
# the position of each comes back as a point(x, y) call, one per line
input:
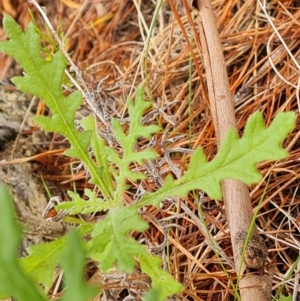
point(111, 243)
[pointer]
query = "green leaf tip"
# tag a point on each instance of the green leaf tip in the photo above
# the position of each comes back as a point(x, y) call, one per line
point(237, 157)
point(163, 283)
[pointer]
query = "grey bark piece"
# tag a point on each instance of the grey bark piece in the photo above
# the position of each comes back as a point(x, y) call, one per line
point(8, 130)
point(29, 203)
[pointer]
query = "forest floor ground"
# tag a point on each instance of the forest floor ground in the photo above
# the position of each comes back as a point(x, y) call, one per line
point(113, 44)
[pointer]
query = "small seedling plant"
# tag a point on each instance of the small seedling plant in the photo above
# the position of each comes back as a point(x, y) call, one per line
point(111, 244)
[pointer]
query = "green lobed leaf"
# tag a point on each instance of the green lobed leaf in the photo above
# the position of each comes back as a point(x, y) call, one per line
point(79, 205)
point(44, 79)
point(111, 241)
point(163, 283)
point(236, 159)
point(73, 263)
point(128, 142)
point(13, 281)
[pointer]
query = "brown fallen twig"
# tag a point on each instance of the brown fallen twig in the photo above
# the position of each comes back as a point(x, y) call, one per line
point(235, 194)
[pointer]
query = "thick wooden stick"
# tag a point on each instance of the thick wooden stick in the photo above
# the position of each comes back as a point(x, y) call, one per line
point(235, 194)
